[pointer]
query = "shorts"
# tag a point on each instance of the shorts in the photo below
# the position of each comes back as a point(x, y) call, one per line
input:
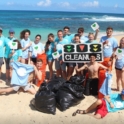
point(79, 64)
point(25, 88)
point(1, 61)
point(69, 64)
point(118, 69)
point(34, 60)
point(91, 86)
point(50, 59)
point(7, 60)
point(102, 109)
point(60, 66)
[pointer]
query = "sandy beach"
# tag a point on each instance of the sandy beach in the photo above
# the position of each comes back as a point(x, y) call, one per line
point(15, 109)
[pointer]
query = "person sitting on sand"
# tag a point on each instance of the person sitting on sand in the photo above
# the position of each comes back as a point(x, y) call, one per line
point(112, 103)
point(91, 86)
point(20, 77)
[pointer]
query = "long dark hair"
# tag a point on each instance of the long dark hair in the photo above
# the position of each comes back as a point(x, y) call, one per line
point(22, 34)
point(48, 42)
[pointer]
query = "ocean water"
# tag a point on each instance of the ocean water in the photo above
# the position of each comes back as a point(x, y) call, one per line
point(45, 22)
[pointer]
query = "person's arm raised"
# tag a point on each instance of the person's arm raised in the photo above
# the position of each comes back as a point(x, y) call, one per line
point(96, 34)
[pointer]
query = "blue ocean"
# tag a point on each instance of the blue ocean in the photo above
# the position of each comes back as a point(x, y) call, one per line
point(45, 22)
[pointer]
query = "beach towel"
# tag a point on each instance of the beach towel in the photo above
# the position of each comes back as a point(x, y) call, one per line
point(106, 86)
point(102, 77)
point(20, 73)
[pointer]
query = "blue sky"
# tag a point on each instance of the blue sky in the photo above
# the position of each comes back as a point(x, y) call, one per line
point(111, 6)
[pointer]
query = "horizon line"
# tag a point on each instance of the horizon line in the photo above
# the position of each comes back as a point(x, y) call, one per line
point(63, 11)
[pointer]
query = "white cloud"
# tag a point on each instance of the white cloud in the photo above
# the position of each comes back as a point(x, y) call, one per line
point(10, 3)
point(64, 4)
point(44, 3)
point(116, 5)
point(89, 4)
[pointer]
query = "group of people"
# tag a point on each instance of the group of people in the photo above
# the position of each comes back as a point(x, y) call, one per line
point(27, 51)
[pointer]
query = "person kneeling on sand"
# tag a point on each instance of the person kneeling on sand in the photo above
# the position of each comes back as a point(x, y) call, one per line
point(20, 77)
point(91, 86)
point(112, 103)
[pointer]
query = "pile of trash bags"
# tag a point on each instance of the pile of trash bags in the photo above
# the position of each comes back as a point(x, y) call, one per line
point(59, 93)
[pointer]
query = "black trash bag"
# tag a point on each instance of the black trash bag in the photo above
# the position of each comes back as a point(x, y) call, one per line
point(45, 101)
point(69, 95)
point(55, 84)
point(79, 80)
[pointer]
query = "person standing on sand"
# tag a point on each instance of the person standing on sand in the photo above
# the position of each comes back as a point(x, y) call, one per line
point(36, 48)
point(119, 65)
point(2, 44)
point(91, 86)
point(77, 41)
point(49, 49)
point(8, 41)
point(109, 46)
point(68, 36)
point(108, 104)
point(59, 64)
point(26, 45)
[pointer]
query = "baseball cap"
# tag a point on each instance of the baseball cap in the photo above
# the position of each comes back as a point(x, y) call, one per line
point(1, 29)
point(11, 31)
point(122, 92)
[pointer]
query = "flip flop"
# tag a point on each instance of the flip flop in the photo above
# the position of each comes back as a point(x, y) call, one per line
point(81, 112)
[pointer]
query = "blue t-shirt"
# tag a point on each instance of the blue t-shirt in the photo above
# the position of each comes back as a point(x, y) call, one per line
point(69, 37)
point(24, 43)
point(117, 102)
point(108, 49)
point(2, 44)
point(119, 63)
point(83, 39)
point(20, 73)
point(50, 50)
point(8, 41)
point(59, 46)
point(16, 55)
point(93, 41)
point(36, 48)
